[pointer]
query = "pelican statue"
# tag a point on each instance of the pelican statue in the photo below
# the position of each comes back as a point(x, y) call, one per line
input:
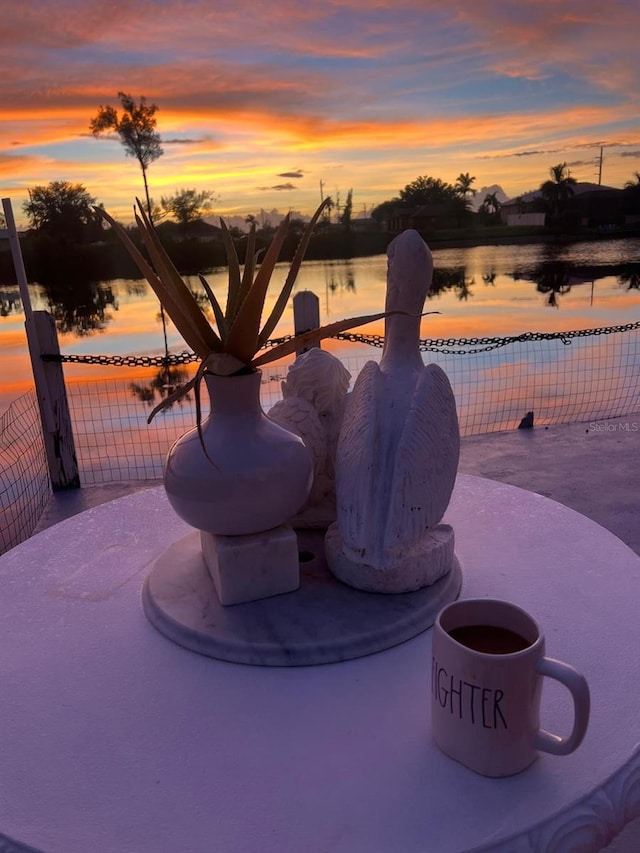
point(398, 449)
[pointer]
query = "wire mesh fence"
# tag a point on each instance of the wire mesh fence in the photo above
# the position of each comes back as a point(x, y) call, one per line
point(113, 439)
point(24, 477)
point(561, 378)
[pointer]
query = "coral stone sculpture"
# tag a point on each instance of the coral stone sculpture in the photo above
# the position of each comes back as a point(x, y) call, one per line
point(237, 476)
point(314, 397)
point(398, 450)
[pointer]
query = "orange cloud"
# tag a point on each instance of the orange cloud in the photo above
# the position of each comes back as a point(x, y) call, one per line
point(370, 94)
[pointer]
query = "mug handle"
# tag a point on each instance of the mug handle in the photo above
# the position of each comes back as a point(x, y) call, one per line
point(579, 690)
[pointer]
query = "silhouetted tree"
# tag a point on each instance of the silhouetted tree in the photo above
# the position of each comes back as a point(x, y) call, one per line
point(62, 210)
point(187, 206)
point(347, 211)
point(559, 190)
point(427, 190)
point(326, 213)
point(383, 211)
point(463, 187)
point(491, 204)
point(136, 128)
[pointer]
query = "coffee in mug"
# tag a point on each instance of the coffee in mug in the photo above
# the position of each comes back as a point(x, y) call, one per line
point(486, 680)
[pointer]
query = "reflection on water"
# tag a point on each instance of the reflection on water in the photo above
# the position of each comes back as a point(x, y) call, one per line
point(553, 279)
point(80, 307)
point(10, 302)
point(631, 278)
point(484, 292)
point(340, 276)
point(481, 291)
point(451, 278)
point(505, 258)
point(159, 387)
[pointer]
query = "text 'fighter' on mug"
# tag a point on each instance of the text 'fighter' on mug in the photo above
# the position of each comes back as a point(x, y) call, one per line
point(486, 681)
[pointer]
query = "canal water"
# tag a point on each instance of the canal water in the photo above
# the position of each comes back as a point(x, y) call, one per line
point(482, 295)
point(480, 291)
point(484, 291)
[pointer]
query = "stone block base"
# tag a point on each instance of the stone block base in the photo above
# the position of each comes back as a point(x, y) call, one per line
point(423, 565)
point(258, 565)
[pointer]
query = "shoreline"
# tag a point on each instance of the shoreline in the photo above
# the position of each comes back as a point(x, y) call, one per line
point(530, 239)
point(340, 246)
point(105, 261)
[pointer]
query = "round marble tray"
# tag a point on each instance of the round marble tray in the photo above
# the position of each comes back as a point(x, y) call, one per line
point(324, 621)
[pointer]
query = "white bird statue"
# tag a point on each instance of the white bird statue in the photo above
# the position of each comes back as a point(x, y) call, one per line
point(398, 450)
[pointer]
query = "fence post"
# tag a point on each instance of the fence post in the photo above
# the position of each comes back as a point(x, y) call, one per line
point(58, 442)
point(306, 315)
point(48, 376)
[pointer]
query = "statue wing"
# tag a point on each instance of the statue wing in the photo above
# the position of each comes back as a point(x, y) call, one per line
point(426, 462)
point(356, 459)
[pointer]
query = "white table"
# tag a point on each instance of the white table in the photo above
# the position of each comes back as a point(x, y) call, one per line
point(115, 740)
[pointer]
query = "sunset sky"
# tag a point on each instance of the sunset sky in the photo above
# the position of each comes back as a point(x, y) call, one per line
point(259, 102)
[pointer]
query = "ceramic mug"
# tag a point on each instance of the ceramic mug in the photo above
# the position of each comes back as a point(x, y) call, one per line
point(486, 680)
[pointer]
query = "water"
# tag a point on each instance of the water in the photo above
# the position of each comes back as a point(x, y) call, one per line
point(482, 291)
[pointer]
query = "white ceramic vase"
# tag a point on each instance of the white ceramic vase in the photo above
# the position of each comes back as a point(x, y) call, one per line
point(260, 474)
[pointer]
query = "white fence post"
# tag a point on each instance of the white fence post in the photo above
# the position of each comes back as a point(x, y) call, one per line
point(48, 376)
point(306, 315)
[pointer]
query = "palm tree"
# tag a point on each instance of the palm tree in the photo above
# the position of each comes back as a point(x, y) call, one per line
point(559, 190)
point(463, 186)
point(491, 204)
point(630, 185)
point(330, 204)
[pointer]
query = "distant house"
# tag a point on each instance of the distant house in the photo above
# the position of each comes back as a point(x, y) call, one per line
point(524, 220)
point(593, 204)
point(599, 206)
point(425, 217)
point(363, 223)
point(517, 211)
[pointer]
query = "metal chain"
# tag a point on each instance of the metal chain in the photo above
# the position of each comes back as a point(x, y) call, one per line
point(172, 360)
point(477, 345)
point(441, 345)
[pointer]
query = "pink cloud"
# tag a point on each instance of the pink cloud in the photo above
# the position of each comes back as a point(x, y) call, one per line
point(379, 89)
point(578, 37)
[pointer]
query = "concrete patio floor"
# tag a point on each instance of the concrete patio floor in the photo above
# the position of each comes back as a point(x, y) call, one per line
point(592, 467)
